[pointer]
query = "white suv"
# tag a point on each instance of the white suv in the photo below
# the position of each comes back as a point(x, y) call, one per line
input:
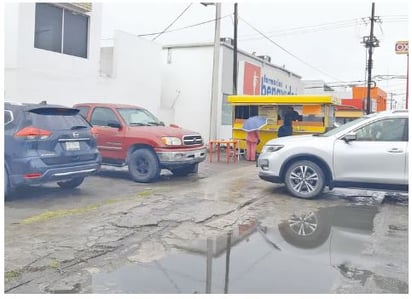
point(369, 152)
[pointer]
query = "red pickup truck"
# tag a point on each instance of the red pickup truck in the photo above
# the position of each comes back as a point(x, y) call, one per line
point(131, 135)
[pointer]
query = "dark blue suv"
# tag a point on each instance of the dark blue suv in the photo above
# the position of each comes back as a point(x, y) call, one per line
point(47, 143)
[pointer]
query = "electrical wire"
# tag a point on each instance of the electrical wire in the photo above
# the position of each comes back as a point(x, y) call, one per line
point(305, 29)
point(174, 21)
point(288, 52)
point(296, 30)
point(184, 28)
point(291, 31)
point(323, 27)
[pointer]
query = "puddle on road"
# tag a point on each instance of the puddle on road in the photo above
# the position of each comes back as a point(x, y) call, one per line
point(307, 253)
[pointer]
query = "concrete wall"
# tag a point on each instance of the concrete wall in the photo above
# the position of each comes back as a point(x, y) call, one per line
point(186, 87)
point(33, 74)
point(131, 72)
point(127, 72)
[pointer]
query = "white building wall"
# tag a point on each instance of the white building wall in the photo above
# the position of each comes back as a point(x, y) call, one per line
point(33, 75)
point(132, 70)
point(11, 35)
point(186, 88)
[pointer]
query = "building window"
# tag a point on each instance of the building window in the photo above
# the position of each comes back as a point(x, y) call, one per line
point(61, 30)
point(226, 111)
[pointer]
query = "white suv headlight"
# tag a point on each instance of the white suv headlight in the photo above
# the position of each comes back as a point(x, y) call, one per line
point(271, 148)
point(171, 141)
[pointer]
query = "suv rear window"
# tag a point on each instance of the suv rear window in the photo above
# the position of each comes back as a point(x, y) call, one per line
point(57, 118)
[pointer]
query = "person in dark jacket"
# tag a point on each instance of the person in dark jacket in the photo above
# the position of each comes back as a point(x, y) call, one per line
point(286, 129)
point(293, 115)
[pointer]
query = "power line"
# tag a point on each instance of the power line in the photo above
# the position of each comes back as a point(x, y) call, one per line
point(322, 27)
point(311, 28)
point(184, 28)
point(171, 24)
point(288, 52)
point(304, 29)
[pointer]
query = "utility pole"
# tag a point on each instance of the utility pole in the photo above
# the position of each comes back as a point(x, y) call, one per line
point(370, 43)
point(215, 72)
point(235, 21)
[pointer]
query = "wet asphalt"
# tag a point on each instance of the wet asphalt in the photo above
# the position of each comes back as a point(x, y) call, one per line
point(221, 231)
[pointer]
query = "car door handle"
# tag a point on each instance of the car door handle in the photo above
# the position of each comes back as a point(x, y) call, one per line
point(395, 150)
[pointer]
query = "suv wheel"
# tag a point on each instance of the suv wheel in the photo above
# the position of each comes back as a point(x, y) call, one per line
point(304, 179)
point(143, 166)
point(71, 184)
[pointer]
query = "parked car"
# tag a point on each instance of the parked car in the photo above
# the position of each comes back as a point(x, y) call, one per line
point(131, 135)
point(369, 152)
point(46, 143)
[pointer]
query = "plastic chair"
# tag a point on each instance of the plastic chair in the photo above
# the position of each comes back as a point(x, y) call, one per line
point(241, 149)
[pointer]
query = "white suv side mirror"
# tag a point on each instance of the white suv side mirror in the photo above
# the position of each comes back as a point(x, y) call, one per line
point(350, 137)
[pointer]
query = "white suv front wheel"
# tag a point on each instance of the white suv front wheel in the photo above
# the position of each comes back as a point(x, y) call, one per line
point(304, 179)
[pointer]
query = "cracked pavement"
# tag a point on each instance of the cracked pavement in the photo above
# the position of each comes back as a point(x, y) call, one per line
point(55, 244)
point(117, 232)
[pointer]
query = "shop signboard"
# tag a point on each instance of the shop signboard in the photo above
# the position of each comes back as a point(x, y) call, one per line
point(402, 47)
point(257, 80)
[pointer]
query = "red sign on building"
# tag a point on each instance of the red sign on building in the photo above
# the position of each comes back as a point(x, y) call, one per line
point(251, 79)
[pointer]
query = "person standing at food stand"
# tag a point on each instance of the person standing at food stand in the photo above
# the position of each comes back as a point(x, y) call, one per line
point(252, 140)
point(252, 125)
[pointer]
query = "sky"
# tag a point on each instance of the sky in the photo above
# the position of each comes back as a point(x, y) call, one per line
point(317, 40)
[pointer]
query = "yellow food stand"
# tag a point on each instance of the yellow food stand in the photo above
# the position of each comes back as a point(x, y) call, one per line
point(317, 113)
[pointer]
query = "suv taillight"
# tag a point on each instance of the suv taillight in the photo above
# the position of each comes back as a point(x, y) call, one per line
point(94, 132)
point(33, 133)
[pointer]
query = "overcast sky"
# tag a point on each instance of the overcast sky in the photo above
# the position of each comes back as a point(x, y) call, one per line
point(316, 40)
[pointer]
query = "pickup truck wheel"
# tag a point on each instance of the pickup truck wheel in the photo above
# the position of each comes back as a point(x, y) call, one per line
point(70, 184)
point(304, 179)
point(186, 170)
point(143, 166)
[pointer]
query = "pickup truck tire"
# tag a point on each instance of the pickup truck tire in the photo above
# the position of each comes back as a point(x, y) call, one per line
point(143, 166)
point(186, 170)
point(70, 184)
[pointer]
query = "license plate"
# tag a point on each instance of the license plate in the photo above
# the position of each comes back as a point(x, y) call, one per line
point(72, 146)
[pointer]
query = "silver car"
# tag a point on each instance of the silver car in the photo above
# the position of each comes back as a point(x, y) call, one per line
point(369, 152)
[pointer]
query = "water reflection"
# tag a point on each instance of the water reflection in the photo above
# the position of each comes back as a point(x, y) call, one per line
point(306, 253)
